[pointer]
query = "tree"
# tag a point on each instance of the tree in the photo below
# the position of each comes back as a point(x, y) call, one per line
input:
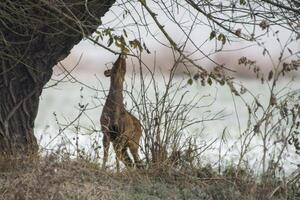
point(35, 35)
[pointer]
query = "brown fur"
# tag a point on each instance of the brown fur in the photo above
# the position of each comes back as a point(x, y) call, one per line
point(118, 125)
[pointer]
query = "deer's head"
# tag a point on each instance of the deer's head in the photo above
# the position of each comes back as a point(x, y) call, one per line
point(117, 72)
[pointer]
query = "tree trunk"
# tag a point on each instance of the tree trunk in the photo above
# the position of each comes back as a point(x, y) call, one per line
point(34, 36)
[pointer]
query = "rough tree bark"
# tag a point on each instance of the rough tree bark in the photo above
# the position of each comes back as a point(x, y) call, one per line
point(34, 36)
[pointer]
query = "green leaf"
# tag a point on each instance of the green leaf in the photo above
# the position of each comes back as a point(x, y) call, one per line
point(110, 41)
point(125, 50)
point(108, 31)
point(96, 39)
point(190, 81)
point(222, 82)
point(270, 76)
point(135, 44)
point(222, 38)
point(125, 33)
point(243, 2)
point(143, 2)
point(146, 48)
point(100, 35)
point(212, 35)
point(209, 81)
point(264, 51)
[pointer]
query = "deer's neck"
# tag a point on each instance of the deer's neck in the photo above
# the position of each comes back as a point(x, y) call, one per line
point(115, 95)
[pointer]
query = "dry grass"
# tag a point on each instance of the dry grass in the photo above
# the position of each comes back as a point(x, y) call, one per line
point(53, 178)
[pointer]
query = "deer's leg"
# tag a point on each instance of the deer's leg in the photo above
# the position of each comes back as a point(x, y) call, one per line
point(127, 160)
point(106, 143)
point(122, 154)
point(134, 148)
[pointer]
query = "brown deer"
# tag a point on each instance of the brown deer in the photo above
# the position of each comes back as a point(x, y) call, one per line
point(118, 125)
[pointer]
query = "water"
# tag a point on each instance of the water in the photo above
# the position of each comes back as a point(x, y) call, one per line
point(61, 105)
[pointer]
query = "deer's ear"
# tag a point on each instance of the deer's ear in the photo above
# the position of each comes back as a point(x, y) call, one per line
point(107, 72)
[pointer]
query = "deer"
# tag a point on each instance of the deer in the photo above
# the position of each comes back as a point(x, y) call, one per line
point(119, 127)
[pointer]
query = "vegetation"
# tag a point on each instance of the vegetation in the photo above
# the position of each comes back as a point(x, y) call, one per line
point(53, 177)
point(36, 35)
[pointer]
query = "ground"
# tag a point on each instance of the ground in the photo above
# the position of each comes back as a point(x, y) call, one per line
point(64, 178)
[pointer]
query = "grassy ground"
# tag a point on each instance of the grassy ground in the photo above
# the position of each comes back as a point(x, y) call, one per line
point(52, 178)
